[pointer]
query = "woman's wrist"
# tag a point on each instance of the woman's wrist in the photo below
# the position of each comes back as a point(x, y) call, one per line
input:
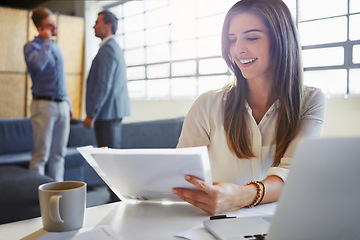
point(245, 196)
point(258, 195)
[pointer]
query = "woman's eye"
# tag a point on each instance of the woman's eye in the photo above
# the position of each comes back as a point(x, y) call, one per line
point(252, 38)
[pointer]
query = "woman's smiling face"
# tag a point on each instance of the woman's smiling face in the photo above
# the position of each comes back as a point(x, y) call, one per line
point(250, 45)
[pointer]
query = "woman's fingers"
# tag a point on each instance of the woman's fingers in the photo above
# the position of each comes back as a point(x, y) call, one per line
point(202, 185)
point(204, 198)
point(194, 195)
point(196, 198)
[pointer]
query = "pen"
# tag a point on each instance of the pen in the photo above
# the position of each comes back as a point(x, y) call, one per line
point(223, 216)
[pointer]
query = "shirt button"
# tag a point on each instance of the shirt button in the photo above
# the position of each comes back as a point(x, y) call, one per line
point(267, 115)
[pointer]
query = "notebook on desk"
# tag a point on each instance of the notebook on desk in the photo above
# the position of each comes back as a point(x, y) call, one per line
point(319, 201)
point(148, 174)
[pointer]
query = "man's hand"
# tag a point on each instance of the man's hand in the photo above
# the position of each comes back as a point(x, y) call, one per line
point(88, 122)
point(45, 33)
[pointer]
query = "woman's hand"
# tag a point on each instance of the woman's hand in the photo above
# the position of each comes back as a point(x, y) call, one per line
point(212, 198)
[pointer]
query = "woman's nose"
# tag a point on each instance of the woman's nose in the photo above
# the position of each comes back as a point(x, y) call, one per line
point(239, 46)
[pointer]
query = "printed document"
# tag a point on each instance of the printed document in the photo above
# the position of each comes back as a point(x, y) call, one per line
point(148, 174)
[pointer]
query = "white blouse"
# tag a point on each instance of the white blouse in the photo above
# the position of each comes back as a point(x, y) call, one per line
point(204, 126)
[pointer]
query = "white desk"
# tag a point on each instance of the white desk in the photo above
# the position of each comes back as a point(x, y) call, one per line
point(132, 221)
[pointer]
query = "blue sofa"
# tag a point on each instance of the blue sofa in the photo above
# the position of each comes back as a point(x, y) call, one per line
point(16, 141)
point(18, 185)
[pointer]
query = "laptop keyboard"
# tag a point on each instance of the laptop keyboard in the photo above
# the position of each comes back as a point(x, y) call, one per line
point(256, 237)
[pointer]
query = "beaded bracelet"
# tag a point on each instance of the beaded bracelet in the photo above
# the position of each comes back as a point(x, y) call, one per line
point(259, 193)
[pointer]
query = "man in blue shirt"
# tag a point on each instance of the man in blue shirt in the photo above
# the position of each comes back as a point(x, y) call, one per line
point(51, 107)
point(107, 100)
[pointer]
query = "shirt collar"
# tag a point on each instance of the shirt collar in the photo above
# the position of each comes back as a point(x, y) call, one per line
point(39, 39)
point(274, 106)
point(106, 39)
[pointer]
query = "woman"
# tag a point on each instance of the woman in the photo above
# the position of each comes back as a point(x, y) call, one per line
point(252, 126)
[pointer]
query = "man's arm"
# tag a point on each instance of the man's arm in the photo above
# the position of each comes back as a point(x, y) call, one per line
point(36, 58)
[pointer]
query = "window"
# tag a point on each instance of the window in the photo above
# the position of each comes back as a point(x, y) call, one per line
point(330, 42)
point(171, 54)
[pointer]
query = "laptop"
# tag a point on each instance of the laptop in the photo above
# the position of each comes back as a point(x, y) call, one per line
point(319, 201)
point(148, 174)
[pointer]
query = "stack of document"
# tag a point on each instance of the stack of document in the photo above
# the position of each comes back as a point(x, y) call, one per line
point(148, 174)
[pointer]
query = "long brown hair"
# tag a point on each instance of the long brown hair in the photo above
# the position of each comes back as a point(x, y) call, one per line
point(286, 83)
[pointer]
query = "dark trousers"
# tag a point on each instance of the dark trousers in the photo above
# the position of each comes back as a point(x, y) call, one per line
point(108, 133)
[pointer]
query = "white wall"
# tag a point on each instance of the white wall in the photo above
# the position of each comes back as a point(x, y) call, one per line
point(342, 117)
point(145, 110)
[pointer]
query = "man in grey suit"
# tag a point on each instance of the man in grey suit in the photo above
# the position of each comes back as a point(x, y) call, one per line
point(107, 100)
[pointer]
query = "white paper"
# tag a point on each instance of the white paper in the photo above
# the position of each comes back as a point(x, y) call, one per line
point(97, 233)
point(148, 174)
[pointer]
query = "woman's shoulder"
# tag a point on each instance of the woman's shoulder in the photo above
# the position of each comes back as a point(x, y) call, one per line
point(313, 93)
point(313, 98)
point(209, 101)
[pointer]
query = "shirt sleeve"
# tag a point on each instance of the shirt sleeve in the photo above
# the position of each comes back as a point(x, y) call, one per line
point(196, 128)
point(311, 123)
point(37, 58)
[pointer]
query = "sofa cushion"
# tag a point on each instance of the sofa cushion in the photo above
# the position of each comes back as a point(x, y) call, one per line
point(74, 165)
point(19, 186)
point(19, 193)
point(72, 158)
point(80, 135)
point(16, 135)
point(152, 134)
point(15, 158)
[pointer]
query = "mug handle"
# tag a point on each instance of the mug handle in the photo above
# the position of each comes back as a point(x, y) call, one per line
point(55, 209)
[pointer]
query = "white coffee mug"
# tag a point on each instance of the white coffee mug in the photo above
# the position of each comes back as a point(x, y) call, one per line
point(62, 205)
